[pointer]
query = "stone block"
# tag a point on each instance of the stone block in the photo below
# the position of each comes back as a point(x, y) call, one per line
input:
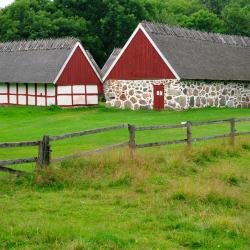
point(117, 104)
point(127, 105)
point(222, 101)
point(175, 92)
point(123, 97)
point(133, 99)
point(198, 102)
point(131, 92)
point(181, 100)
point(142, 102)
point(230, 104)
point(191, 101)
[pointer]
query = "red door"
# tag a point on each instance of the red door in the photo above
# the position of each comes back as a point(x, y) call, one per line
point(158, 97)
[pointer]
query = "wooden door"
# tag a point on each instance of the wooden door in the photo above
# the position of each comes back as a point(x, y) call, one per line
point(158, 97)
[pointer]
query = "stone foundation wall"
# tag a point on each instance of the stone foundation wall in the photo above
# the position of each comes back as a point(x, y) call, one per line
point(138, 94)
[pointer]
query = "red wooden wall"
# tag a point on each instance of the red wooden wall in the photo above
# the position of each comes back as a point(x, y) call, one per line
point(78, 71)
point(140, 61)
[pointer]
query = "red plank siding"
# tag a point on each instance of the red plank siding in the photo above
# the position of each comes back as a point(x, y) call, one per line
point(78, 71)
point(140, 61)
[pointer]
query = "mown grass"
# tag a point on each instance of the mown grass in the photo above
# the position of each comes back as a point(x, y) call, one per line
point(165, 199)
point(31, 123)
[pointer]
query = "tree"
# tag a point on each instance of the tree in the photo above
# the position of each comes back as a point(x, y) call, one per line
point(237, 19)
point(111, 22)
point(215, 6)
point(205, 21)
point(104, 24)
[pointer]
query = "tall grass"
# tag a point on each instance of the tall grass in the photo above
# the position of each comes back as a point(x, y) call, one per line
point(121, 170)
point(165, 199)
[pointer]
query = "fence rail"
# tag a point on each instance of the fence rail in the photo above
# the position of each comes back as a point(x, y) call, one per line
point(86, 132)
point(43, 158)
point(95, 151)
point(19, 144)
point(18, 161)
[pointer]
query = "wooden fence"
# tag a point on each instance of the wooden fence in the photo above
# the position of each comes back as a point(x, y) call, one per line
point(43, 158)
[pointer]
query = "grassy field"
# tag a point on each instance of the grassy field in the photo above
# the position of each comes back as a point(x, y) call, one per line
point(166, 198)
point(31, 123)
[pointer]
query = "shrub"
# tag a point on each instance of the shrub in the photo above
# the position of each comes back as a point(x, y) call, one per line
point(53, 108)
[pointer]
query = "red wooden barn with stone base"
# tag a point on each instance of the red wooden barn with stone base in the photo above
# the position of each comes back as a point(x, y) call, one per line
point(48, 72)
point(169, 67)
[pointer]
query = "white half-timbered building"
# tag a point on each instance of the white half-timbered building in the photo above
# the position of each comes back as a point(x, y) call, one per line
point(48, 72)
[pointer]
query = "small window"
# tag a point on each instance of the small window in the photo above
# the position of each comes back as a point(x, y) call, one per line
point(159, 93)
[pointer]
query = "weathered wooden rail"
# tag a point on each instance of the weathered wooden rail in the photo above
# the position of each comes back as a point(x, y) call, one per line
point(189, 139)
point(43, 158)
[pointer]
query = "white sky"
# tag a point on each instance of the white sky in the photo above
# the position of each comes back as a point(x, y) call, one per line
point(4, 3)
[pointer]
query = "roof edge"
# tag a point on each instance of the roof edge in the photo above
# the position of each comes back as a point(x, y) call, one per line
point(39, 44)
point(192, 34)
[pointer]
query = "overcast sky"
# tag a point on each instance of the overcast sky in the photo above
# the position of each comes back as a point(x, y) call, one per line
point(3, 3)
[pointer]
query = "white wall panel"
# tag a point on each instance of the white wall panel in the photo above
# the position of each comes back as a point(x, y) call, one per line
point(51, 101)
point(79, 99)
point(31, 89)
point(64, 90)
point(92, 89)
point(21, 88)
point(64, 100)
point(31, 100)
point(40, 101)
point(12, 88)
point(79, 89)
point(51, 90)
point(3, 99)
point(21, 100)
point(3, 88)
point(40, 90)
point(92, 99)
point(13, 99)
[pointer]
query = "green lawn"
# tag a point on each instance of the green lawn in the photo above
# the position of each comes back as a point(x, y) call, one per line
point(165, 198)
point(22, 123)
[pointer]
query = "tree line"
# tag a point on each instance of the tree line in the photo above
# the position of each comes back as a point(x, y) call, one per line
point(102, 25)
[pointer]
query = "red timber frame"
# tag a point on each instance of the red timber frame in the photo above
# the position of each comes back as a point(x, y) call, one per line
point(46, 97)
point(72, 94)
point(26, 95)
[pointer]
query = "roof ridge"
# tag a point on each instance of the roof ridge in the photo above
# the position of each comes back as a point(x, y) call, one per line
point(39, 44)
point(92, 59)
point(191, 34)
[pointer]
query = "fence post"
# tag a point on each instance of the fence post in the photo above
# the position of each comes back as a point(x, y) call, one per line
point(232, 131)
point(44, 152)
point(131, 142)
point(189, 134)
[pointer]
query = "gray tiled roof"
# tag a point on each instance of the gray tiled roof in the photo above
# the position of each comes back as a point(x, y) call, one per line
point(37, 61)
point(202, 55)
point(110, 60)
point(94, 63)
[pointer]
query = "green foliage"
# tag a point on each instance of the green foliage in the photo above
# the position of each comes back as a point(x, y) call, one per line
point(236, 17)
point(108, 23)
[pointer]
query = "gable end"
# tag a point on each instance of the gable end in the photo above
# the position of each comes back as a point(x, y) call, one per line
point(140, 59)
point(78, 69)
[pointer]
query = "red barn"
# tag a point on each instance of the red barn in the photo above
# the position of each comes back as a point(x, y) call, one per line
point(48, 72)
point(170, 67)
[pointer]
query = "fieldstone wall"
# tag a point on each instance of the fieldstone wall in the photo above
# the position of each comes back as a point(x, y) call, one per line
point(138, 94)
